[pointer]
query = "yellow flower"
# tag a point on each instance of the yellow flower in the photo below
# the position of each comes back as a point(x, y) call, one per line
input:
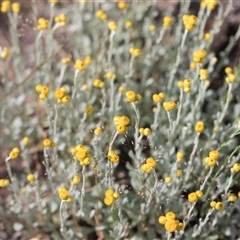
point(101, 15)
point(122, 5)
point(4, 53)
point(151, 162)
point(219, 206)
point(128, 24)
point(59, 94)
point(199, 127)
point(232, 197)
point(66, 60)
point(4, 182)
point(189, 21)
point(42, 24)
point(170, 215)
point(88, 60)
point(168, 179)
point(97, 131)
point(31, 178)
point(199, 193)
point(75, 181)
point(213, 204)
point(236, 168)
point(152, 27)
point(113, 157)
point(210, 161)
point(203, 73)
point(110, 75)
point(63, 193)
point(14, 153)
point(170, 105)
point(199, 56)
point(146, 168)
point(171, 225)
point(167, 22)
point(180, 156)
point(162, 220)
point(178, 173)
point(116, 195)
point(192, 197)
point(112, 26)
point(147, 132)
point(228, 70)
point(80, 65)
point(231, 78)
point(180, 226)
point(121, 89)
point(61, 19)
point(207, 36)
point(214, 154)
point(89, 110)
point(109, 200)
point(5, 6)
point(47, 142)
point(25, 140)
point(136, 52)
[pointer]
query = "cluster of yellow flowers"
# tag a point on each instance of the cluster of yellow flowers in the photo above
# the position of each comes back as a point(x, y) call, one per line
point(6, 5)
point(80, 65)
point(75, 181)
point(101, 15)
point(4, 182)
point(235, 168)
point(212, 158)
point(145, 131)
point(167, 22)
point(185, 85)
point(64, 194)
point(231, 77)
point(170, 106)
point(158, 97)
point(210, 4)
point(194, 196)
point(149, 165)
point(199, 56)
point(121, 123)
point(42, 24)
point(136, 52)
point(203, 73)
point(14, 153)
point(217, 205)
point(110, 197)
point(170, 222)
point(66, 60)
point(113, 157)
point(98, 83)
point(199, 126)
point(82, 154)
point(110, 75)
point(112, 26)
point(189, 21)
point(61, 19)
point(60, 95)
point(4, 52)
point(48, 143)
point(31, 178)
point(133, 97)
point(43, 90)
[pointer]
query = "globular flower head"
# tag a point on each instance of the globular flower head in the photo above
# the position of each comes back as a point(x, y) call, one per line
point(189, 21)
point(4, 183)
point(14, 153)
point(192, 197)
point(135, 52)
point(63, 194)
point(113, 157)
point(199, 56)
point(101, 15)
point(199, 127)
point(122, 5)
point(75, 181)
point(4, 53)
point(31, 178)
point(80, 65)
point(167, 21)
point(232, 197)
point(235, 168)
point(48, 143)
point(61, 19)
point(42, 24)
point(112, 26)
point(170, 106)
point(89, 110)
point(5, 6)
